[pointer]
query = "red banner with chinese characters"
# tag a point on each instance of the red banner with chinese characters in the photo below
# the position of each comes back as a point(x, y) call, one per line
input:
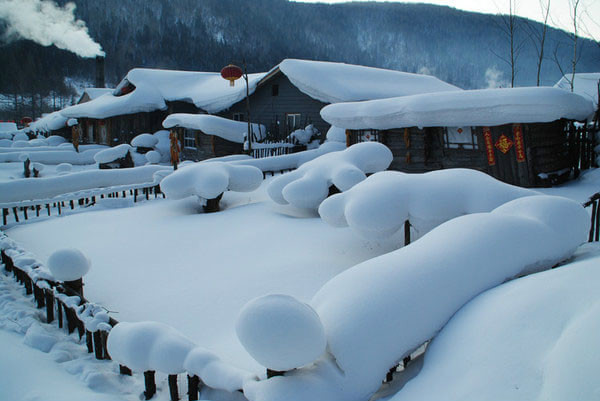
point(519, 143)
point(489, 146)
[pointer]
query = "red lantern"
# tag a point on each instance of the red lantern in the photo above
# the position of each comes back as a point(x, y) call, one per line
point(232, 73)
point(26, 121)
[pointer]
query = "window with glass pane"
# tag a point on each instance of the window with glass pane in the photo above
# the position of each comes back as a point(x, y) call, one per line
point(189, 139)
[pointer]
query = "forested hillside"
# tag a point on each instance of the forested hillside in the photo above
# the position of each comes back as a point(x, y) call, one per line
point(466, 49)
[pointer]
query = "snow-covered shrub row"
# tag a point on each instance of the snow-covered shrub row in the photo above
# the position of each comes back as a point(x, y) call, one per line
point(379, 206)
point(377, 312)
point(209, 180)
point(53, 156)
point(309, 185)
point(144, 346)
point(280, 332)
point(520, 341)
point(68, 264)
point(50, 187)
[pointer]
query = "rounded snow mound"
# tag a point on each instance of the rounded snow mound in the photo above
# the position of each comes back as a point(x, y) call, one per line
point(280, 332)
point(68, 264)
point(21, 136)
point(38, 142)
point(153, 157)
point(144, 140)
point(6, 143)
point(20, 144)
point(112, 154)
point(310, 184)
point(64, 167)
point(336, 134)
point(146, 346)
point(209, 180)
point(55, 140)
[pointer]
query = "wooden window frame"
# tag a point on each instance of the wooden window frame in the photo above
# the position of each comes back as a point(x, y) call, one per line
point(187, 139)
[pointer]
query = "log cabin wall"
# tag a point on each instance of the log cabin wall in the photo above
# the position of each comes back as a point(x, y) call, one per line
point(196, 145)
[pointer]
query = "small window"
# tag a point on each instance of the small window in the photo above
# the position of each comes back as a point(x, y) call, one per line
point(293, 121)
point(189, 139)
point(238, 117)
point(367, 135)
point(275, 90)
point(460, 138)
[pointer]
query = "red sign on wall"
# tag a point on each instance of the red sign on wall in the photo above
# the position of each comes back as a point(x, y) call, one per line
point(489, 146)
point(519, 143)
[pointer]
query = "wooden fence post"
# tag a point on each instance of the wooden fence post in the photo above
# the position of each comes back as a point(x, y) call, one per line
point(173, 389)
point(16, 214)
point(193, 387)
point(49, 305)
point(406, 232)
point(150, 384)
point(98, 345)
point(89, 342)
point(124, 370)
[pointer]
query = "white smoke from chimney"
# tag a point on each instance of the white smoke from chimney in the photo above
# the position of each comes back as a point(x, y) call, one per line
point(46, 23)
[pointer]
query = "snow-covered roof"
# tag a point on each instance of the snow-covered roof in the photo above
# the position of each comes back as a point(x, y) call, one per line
point(153, 88)
point(94, 93)
point(231, 130)
point(483, 107)
point(48, 122)
point(585, 84)
point(339, 82)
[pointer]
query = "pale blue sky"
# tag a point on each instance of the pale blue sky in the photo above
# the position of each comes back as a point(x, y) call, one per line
point(560, 10)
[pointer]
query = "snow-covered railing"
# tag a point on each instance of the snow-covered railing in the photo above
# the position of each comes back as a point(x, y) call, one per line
point(269, 148)
point(582, 143)
point(594, 202)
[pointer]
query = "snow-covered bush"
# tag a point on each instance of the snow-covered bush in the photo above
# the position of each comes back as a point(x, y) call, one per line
point(146, 346)
point(68, 264)
point(379, 311)
point(336, 134)
point(153, 157)
point(210, 180)
point(310, 184)
point(55, 140)
point(40, 141)
point(308, 136)
point(64, 168)
point(280, 332)
point(379, 206)
point(144, 141)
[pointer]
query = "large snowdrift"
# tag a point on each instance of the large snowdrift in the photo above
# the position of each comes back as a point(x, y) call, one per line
point(153, 88)
point(338, 82)
point(234, 131)
point(379, 206)
point(535, 338)
point(482, 107)
point(379, 311)
point(309, 185)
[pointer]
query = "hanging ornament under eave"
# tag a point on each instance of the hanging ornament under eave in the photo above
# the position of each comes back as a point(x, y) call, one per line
point(231, 73)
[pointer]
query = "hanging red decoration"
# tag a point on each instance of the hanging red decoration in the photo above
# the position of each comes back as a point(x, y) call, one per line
point(231, 73)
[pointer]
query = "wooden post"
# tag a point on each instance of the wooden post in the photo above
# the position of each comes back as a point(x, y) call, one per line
point(390, 374)
point(59, 313)
point(124, 370)
point(89, 342)
point(104, 337)
point(49, 305)
point(150, 384)
point(173, 389)
point(48, 208)
point(24, 212)
point(75, 285)
point(28, 284)
point(274, 373)
point(72, 204)
point(193, 387)
point(71, 319)
point(597, 221)
point(406, 232)
point(135, 194)
point(98, 345)
point(147, 193)
point(37, 210)
point(124, 194)
point(406, 361)
point(39, 296)
point(4, 215)
point(16, 214)
point(592, 228)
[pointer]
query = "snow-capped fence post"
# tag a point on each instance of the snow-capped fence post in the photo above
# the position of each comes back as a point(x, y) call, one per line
point(150, 384)
point(98, 352)
point(49, 305)
point(16, 214)
point(594, 201)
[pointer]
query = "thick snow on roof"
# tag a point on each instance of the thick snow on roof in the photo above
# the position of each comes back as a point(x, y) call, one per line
point(233, 131)
point(153, 88)
point(483, 107)
point(338, 82)
point(585, 84)
point(49, 122)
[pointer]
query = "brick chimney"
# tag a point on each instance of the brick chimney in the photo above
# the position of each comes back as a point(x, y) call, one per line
point(100, 72)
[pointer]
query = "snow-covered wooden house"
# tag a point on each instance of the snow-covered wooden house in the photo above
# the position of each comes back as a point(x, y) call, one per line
point(145, 97)
point(518, 135)
point(93, 93)
point(291, 95)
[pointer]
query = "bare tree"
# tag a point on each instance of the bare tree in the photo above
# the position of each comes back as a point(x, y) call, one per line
point(509, 26)
point(539, 38)
point(574, 4)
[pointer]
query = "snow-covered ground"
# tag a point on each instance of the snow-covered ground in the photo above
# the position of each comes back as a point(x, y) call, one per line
point(167, 261)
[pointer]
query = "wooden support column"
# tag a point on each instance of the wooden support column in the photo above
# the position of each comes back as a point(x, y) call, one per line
point(49, 305)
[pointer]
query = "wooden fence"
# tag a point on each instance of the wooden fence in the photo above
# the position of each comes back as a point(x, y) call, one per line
point(269, 148)
point(22, 211)
point(582, 141)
